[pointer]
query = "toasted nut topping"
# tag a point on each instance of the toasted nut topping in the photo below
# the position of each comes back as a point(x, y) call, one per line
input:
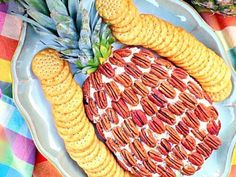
point(150, 80)
point(112, 116)
point(121, 138)
point(130, 128)
point(112, 90)
point(139, 117)
point(158, 98)
point(159, 71)
point(167, 90)
point(140, 89)
point(124, 80)
point(121, 108)
point(196, 159)
point(138, 150)
point(213, 127)
point(96, 80)
point(133, 70)
point(147, 137)
point(130, 97)
point(156, 125)
point(141, 60)
point(100, 98)
point(148, 107)
point(107, 70)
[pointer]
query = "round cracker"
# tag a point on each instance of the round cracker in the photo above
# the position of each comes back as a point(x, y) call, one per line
point(65, 97)
point(47, 64)
point(59, 88)
point(72, 104)
point(59, 78)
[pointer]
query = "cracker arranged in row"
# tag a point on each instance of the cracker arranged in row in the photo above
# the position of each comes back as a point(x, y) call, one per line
point(132, 28)
point(69, 116)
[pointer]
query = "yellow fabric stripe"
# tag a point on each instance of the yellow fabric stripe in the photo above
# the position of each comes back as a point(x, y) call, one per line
point(5, 71)
point(228, 37)
point(234, 157)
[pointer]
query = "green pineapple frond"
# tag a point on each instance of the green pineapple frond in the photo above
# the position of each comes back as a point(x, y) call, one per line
point(73, 28)
point(227, 7)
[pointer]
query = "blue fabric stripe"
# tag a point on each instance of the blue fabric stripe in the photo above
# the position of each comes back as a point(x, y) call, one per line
point(7, 171)
point(232, 54)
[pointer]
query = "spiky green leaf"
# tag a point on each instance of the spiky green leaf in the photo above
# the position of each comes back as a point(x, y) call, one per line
point(58, 6)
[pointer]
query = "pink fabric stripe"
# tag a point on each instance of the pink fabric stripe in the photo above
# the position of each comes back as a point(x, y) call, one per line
point(22, 147)
point(2, 20)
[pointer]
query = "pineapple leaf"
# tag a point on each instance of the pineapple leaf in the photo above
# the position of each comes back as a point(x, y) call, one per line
point(38, 5)
point(79, 65)
point(96, 31)
point(58, 6)
point(91, 70)
point(42, 19)
point(96, 51)
point(72, 5)
point(67, 43)
point(104, 51)
point(111, 40)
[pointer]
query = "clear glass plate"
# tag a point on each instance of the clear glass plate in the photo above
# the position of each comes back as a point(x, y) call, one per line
point(37, 112)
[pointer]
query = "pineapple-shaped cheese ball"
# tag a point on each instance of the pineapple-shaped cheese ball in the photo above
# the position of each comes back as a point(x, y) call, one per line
point(153, 116)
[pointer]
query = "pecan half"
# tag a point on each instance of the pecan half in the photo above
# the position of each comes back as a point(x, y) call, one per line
point(147, 137)
point(213, 127)
point(176, 82)
point(165, 171)
point(202, 112)
point(199, 134)
point(140, 171)
point(104, 122)
point(180, 152)
point(157, 125)
point(128, 158)
point(86, 89)
point(191, 120)
point(155, 155)
point(112, 115)
point(133, 70)
point(177, 108)
point(212, 141)
point(138, 150)
point(100, 131)
point(139, 117)
point(159, 71)
point(174, 162)
point(188, 100)
point(188, 170)
point(165, 115)
point(140, 88)
point(123, 79)
point(130, 97)
point(149, 107)
point(213, 112)
point(112, 90)
point(195, 90)
point(150, 80)
point(107, 70)
point(182, 128)
point(141, 60)
point(112, 145)
point(120, 136)
point(180, 73)
point(158, 98)
point(92, 106)
point(129, 127)
point(121, 108)
point(147, 53)
point(196, 159)
point(166, 145)
point(150, 165)
point(100, 98)
point(189, 143)
point(174, 136)
point(123, 52)
point(168, 90)
point(117, 60)
point(96, 80)
point(204, 149)
point(164, 62)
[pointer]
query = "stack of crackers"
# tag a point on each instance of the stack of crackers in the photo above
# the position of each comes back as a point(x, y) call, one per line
point(132, 28)
point(72, 124)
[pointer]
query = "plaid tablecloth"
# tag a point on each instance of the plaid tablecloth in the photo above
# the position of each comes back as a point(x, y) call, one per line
point(18, 155)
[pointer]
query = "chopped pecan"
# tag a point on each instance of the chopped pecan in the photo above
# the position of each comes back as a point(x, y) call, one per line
point(130, 97)
point(141, 60)
point(188, 100)
point(129, 127)
point(165, 115)
point(133, 70)
point(112, 90)
point(121, 108)
point(120, 136)
point(139, 117)
point(157, 97)
point(168, 90)
point(149, 107)
point(159, 71)
point(147, 137)
point(138, 150)
point(140, 88)
point(150, 80)
point(107, 70)
point(157, 125)
point(123, 79)
point(101, 99)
